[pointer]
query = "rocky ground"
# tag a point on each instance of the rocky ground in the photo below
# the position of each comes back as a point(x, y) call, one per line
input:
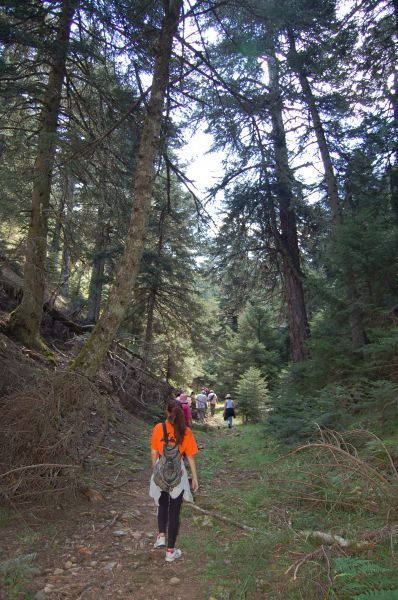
point(99, 545)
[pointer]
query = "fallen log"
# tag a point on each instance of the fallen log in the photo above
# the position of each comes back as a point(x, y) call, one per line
point(220, 517)
point(331, 539)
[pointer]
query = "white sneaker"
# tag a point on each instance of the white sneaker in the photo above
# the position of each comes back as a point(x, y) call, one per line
point(171, 556)
point(160, 541)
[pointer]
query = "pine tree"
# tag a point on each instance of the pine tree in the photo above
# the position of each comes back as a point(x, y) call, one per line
point(251, 395)
point(25, 321)
point(94, 351)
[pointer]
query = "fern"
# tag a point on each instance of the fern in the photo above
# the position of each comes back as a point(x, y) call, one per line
point(362, 579)
point(378, 595)
point(353, 567)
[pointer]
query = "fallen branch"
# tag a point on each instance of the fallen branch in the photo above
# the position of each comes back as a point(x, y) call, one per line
point(46, 465)
point(110, 523)
point(380, 535)
point(331, 540)
point(362, 466)
point(301, 561)
point(115, 451)
point(118, 486)
point(220, 517)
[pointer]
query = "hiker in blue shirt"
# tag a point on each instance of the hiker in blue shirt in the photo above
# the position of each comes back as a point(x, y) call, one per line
point(229, 410)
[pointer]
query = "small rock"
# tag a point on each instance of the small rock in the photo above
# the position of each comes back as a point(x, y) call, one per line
point(48, 589)
point(41, 595)
point(207, 521)
point(120, 533)
point(137, 535)
point(93, 563)
point(174, 581)
point(73, 559)
point(110, 566)
point(68, 564)
point(149, 534)
point(58, 571)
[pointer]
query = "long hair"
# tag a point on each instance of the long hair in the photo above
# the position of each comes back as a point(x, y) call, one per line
point(176, 418)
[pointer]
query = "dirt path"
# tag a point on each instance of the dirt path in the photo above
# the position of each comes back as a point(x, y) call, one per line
point(106, 552)
point(101, 546)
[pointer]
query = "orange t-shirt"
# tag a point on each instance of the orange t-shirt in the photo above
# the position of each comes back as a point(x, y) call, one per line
point(188, 444)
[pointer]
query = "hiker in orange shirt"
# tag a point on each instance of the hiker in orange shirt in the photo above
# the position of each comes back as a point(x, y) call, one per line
point(173, 431)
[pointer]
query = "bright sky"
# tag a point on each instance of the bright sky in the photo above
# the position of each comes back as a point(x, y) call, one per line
point(203, 168)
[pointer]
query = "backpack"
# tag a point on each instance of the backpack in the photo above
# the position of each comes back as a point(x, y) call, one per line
point(167, 471)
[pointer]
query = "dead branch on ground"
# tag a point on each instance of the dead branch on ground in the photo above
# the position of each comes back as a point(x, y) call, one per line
point(220, 517)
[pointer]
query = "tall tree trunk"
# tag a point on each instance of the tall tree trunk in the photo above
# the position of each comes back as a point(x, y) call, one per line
point(26, 319)
point(153, 292)
point(146, 351)
point(393, 170)
point(65, 270)
point(169, 367)
point(66, 204)
point(94, 351)
point(98, 268)
point(287, 241)
point(358, 335)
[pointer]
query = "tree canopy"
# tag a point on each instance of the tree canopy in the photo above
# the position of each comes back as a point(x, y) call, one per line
point(295, 279)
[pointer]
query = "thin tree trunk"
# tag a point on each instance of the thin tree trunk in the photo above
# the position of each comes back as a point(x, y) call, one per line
point(65, 270)
point(358, 335)
point(169, 367)
point(67, 203)
point(94, 351)
point(393, 170)
point(26, 319)
point(287, 241)
point(98, 268)
point(154, 288)
point(146, 351)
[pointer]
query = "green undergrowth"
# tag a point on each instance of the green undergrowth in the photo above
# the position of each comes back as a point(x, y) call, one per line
point(15, 573)
point(275, 560)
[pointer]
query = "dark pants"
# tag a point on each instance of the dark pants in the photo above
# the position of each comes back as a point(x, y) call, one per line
point(169, 513)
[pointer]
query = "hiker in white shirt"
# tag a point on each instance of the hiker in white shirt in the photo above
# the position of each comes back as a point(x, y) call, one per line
point(201, 405)
point(212, 399)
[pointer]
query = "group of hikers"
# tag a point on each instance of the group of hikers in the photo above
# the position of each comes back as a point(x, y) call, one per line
point(197, 406)
point(173, 443)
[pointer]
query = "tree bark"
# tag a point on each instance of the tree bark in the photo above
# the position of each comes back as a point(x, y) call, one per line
point(287, 241)
point(393, 170)
point(358, 335)
point(65, 270)
point(67, 203)
point(153, 292)
point(94, 351)
point(98, 268)
point(26, 319)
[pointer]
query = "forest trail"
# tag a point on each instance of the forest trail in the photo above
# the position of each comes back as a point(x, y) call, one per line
point(102, 546)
